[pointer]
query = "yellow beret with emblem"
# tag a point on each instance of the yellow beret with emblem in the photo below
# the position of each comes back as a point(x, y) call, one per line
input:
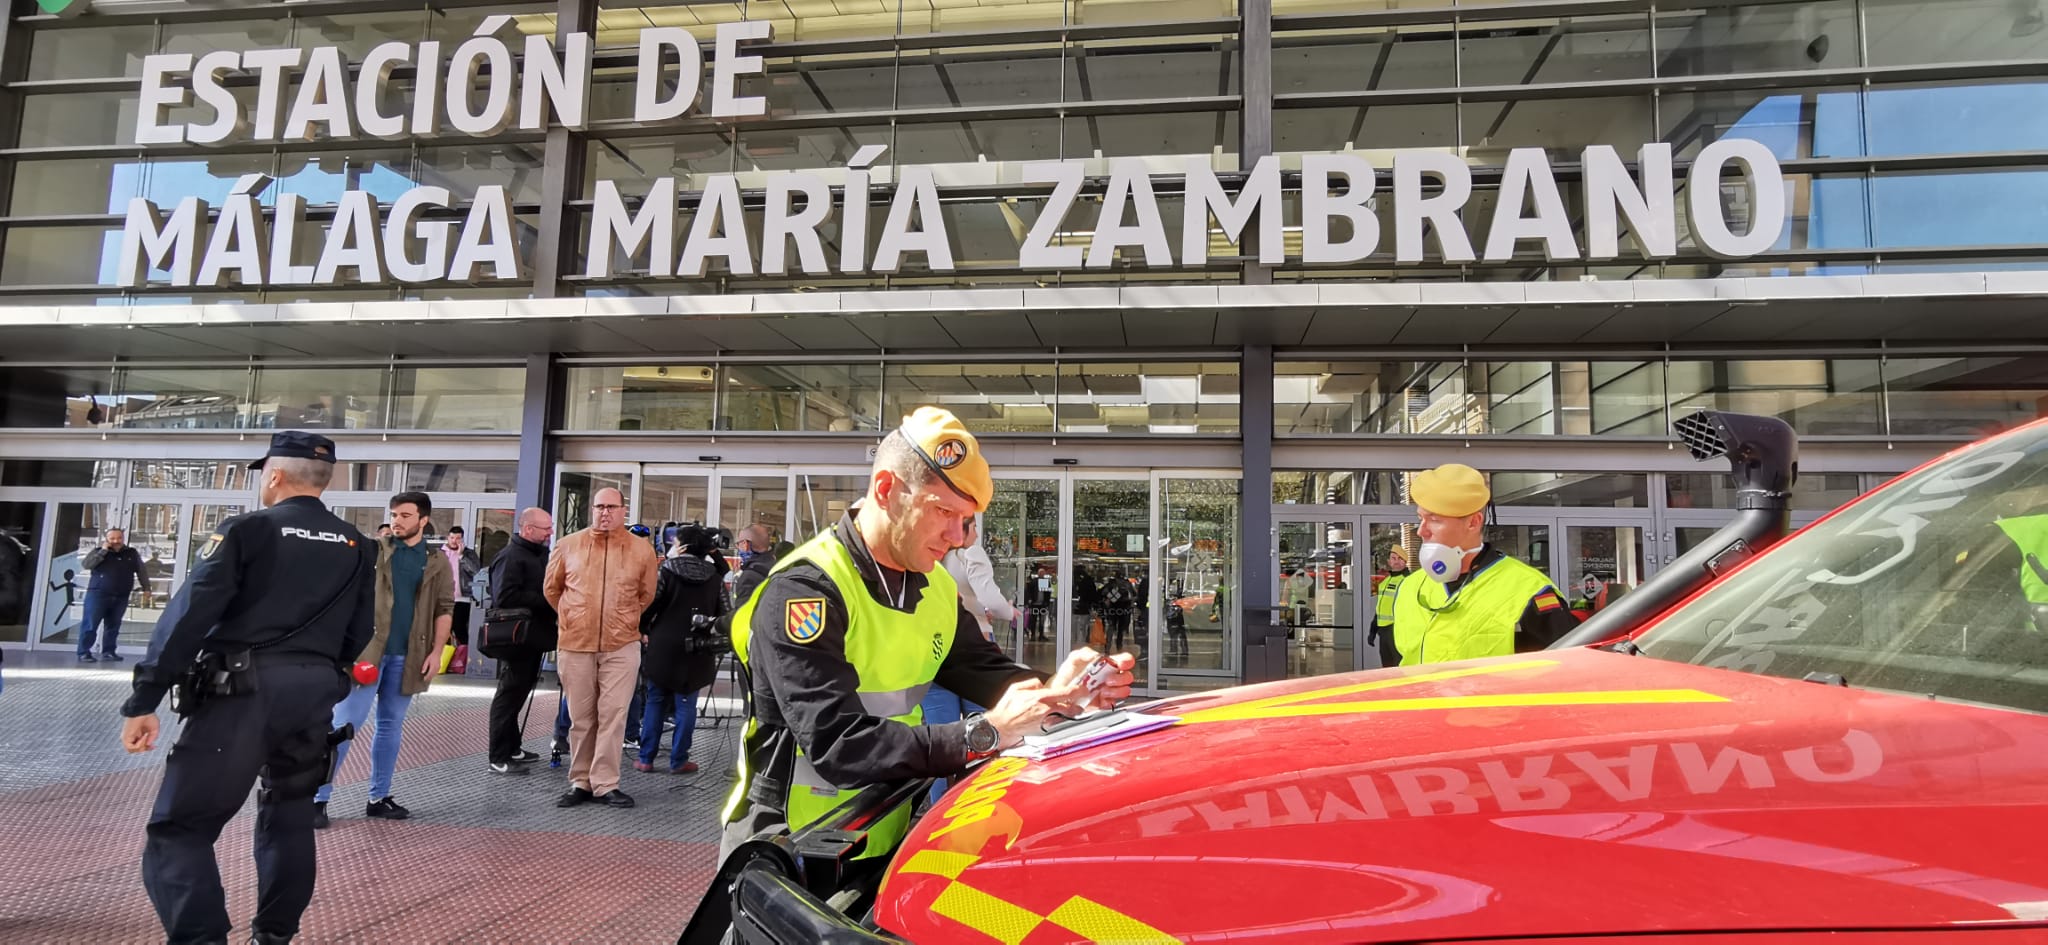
point(944, 444)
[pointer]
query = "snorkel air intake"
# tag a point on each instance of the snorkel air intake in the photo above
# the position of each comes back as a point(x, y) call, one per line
point(1763, 459)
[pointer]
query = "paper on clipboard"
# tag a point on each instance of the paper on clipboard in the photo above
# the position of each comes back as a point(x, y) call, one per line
point(1088, 733)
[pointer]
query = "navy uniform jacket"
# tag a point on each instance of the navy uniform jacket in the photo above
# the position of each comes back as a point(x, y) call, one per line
point(259, 576)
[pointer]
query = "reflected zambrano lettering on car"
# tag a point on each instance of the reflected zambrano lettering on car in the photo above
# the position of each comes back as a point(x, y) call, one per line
point(1010, 923)
point(1305, 704)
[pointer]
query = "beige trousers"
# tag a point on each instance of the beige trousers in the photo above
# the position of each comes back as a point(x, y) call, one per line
point(598, 686)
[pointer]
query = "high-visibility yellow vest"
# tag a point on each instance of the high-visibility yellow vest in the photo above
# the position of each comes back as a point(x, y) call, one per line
point(1433, 626)
point(897, 656)
point(1383, 606)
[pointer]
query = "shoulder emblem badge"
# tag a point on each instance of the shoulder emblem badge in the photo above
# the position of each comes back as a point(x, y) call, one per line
point(804, 619)
point(212, 545)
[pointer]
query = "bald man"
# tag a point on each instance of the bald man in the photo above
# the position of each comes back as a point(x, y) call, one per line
point(517, 575)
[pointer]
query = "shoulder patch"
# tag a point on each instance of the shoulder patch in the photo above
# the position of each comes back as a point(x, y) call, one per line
point(1547, 601)
point(804, 619)
point(212, 545)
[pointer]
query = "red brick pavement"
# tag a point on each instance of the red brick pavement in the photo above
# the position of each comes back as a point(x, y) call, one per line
point(70, 867)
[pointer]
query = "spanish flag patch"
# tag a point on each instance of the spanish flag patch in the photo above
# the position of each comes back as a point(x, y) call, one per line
point(1548, 601)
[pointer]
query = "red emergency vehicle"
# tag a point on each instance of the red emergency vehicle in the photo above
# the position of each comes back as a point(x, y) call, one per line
point(1841, 740)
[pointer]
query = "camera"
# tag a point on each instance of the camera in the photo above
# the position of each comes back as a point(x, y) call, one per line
point(705, 636)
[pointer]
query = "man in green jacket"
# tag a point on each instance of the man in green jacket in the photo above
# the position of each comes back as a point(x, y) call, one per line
point(415, 614)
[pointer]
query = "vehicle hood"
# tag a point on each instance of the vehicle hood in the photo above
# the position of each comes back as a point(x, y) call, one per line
point(1575, 792)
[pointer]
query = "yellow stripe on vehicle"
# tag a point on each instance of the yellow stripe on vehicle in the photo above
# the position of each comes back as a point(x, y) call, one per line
point(938, 863)
point(1508, 700)
point(997, 918)
point(1461, 672)
point(1099, 923)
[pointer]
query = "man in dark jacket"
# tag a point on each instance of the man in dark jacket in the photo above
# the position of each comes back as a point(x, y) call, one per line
point(516, 577)
point(757, 558)
point(682, 652)
point(115, 568)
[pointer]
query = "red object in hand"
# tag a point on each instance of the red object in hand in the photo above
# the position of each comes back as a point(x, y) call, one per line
point(365, 673)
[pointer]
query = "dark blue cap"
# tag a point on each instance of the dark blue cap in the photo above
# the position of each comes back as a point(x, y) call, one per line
point(298, 444)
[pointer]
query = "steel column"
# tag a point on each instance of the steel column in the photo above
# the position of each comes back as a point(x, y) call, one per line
point(562, 170)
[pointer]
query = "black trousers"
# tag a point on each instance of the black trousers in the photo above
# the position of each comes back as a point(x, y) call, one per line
point(1388, 655)
point(278, 733)
point(461, 623)
point(516, 678)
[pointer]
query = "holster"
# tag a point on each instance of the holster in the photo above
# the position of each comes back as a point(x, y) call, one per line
point(331, 760)
point(212, 675)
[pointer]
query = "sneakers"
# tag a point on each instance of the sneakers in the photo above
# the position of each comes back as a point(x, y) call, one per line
point(687, 767)
point(111, 657)
point(559, 746)
point(642, 766)
point(386, 809)
point(632, 744)
point(574, 797)
point(616, 798)
point(320, 815)
point(507, 767)
point(523, 757)
point(88, 658)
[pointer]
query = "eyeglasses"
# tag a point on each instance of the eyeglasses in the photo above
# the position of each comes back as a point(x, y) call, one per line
point(602, 508)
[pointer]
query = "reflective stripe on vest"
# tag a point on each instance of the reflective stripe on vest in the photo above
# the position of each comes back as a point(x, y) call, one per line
point(896, 655)
point(1431, 626)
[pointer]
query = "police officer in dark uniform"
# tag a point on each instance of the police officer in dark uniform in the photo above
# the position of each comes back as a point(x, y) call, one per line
point(256, 645)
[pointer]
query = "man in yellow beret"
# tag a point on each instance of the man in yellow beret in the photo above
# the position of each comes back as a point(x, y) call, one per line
point(850, 630)
point(1476, 601)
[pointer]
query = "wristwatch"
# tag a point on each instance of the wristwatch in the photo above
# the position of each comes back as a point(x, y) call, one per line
point(982, 737)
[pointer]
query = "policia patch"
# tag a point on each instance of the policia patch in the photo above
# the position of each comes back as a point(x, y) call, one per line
point(804, 619)
point(212, 545)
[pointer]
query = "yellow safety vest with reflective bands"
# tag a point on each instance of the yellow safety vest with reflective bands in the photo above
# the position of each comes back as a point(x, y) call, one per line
point(897, 656)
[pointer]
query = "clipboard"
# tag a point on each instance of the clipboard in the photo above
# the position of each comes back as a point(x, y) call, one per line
point(1088, 732)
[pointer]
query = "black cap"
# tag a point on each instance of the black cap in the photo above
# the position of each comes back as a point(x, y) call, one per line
point(298, 445)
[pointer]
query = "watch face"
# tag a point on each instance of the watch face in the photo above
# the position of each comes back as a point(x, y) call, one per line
point(981, 736)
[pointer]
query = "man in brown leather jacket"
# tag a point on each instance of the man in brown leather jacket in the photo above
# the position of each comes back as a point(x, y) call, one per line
point(599, 580)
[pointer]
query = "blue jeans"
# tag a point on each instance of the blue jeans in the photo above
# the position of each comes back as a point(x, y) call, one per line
point(942, 705)
point(101, 609)
point(391, 707)
point(562, 721)
point(660, 702)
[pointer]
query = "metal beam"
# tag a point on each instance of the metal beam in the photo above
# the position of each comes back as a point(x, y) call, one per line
point(540, 412)
point(1255, 126)
point(1255, 536)
point(562, 172)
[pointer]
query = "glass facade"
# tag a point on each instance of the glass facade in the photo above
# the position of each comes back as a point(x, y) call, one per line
point(263, 396)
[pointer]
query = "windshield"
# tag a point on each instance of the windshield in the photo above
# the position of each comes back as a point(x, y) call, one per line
point(1936, 585)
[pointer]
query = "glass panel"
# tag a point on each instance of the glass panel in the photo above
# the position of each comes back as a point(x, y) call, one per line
point(989, 398)
point(101, 52)
point(1571, 490)
point(1385, 538)
point(104, 474)
point(66, 256)
point(1544, 51)
point(963, 142)
point(21, 539)
point(79, 398)
point(861, 82)
point(1336, 487)
point(1407, 57)
point(198, 39)
point(1529, 543)
point(494, 530)
point(1021, 533)
point(1691, 536)
point(1149, 68)
point(754, 500)
point(1153, 135)
point(365, 477)
point(1977, 208)
point(207, 518)
point(153, 533)
point(357, 33)
point(1813, 492)
point(1563, 127)
point(1626, 398)
point(1965, 397)
point(458, 398)
point(674, 500)
point(515, 167)
point(1602, 563)
point(1112, 538)
point(572, 497)
point(822, 500)
point(74, 185)
point(632, 164)
point(79, 528)
point(835, 397)
point(321, 178)
point(1793, 123)
point(990, 75)
point(1105, 12)
point(1198, 559)
point(1165, 397)
point(461, 477)
point(189, 474)
point(1956, 117)
point(320, 398)
point(1816, 34)
point(1952, 31)
point(1317, 598)
point(183, 398)
point(1379, 128)
point(1815, 397)
point(656, 397)
point(77, 119)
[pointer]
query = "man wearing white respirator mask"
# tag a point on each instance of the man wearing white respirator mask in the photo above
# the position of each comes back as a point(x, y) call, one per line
point(1476, 601)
